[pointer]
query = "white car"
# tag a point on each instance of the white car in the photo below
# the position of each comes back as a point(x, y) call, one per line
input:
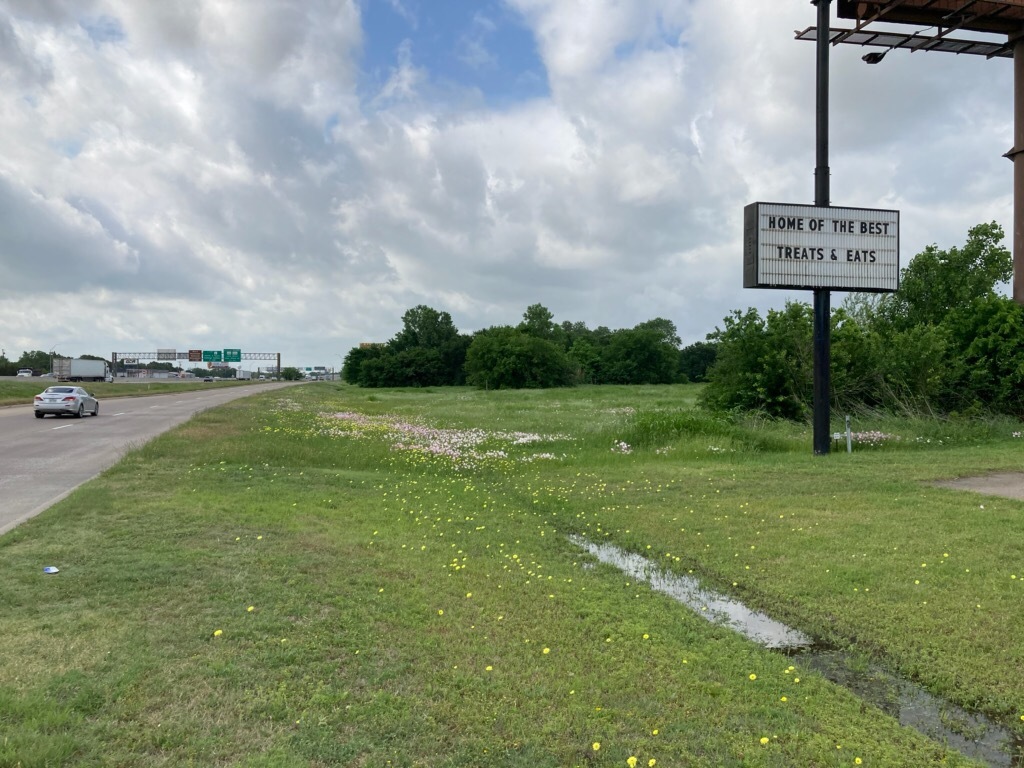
point(25, 372)
point(73, 401)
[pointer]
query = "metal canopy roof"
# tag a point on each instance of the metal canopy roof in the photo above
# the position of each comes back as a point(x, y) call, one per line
point(999, 16)
point(911, 41)
point(937, 19)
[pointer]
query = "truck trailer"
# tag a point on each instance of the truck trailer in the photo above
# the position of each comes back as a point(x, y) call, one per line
point(79, 369)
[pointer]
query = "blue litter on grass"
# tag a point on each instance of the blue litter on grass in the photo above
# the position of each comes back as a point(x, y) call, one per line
point(51, 569)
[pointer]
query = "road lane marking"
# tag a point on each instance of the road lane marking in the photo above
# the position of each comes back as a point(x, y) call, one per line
point(64, 426)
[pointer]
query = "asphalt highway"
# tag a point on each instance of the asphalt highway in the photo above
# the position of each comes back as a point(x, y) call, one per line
point(43, 460)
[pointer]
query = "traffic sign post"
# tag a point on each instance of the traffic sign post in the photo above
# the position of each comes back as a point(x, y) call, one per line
point(232, 355)
point(212, 356)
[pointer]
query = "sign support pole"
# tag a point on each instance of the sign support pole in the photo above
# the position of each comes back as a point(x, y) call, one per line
point(822, 297)
point(1018, 171)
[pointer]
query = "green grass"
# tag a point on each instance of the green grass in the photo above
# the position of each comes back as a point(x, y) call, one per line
point(21, 392)
point(419, 608)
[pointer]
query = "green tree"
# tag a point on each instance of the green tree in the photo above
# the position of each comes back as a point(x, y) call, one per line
point(428, 351)
point(586, 358)
point(640, 355)
point(665, 329)
point(991, 360)
point(37, 360)
point(937, 283)
point(424, 327)
point(764, 364)
point(352, 366)
point(539, 322)
point(291, 373)
point(506, 358)
point(696, 359)
point(7, 368)
point(453, 359)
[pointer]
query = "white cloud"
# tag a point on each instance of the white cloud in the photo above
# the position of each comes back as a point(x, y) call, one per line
point(213, 173)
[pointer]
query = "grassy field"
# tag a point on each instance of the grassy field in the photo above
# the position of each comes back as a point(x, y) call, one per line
point(336, 576)
point(22, 391)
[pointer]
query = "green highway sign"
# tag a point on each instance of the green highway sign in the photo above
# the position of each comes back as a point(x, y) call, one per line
point(211, 356)
point(232, 355)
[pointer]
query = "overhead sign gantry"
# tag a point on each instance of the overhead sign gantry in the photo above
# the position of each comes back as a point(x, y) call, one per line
point(232, 355)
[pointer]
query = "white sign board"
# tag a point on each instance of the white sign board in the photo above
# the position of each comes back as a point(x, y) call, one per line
point(808, 246)
point(166, 354)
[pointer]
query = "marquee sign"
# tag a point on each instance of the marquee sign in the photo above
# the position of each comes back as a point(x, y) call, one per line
point(808, 246)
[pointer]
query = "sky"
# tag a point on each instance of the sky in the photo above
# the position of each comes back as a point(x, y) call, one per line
point(291, 176)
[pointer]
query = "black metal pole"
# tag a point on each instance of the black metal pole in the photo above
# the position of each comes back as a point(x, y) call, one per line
point(1018, 171)
point(822, 299)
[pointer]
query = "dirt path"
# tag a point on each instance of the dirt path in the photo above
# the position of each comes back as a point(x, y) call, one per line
point(1008, 484)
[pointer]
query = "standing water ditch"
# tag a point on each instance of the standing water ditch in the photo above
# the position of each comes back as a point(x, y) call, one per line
point(908, 702)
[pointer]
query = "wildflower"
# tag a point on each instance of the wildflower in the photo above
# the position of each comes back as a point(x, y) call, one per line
point(753, 677)
point(764, 740)
point(597, 744)
point(546, 651)
point(251, 608)
point(219, 632)
point(489, 668)
point(651, 762)
point(631, 761)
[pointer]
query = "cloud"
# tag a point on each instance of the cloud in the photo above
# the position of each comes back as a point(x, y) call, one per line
point(222, 173)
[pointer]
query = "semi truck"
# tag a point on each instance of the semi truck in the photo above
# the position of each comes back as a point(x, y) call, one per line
point(78, 369)
point(240, 374)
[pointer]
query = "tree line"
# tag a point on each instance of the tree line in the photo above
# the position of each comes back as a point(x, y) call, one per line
point(430, 351)
point(946, 342)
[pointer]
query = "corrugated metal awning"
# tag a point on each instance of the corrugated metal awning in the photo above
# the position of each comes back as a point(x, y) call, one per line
point(997, 16)
point(914, 42)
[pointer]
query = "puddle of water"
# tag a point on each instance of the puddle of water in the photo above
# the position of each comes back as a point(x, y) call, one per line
point(716, 608)
point(971, 734)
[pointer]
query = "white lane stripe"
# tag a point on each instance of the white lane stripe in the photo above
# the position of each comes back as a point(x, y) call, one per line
point(65, 426)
